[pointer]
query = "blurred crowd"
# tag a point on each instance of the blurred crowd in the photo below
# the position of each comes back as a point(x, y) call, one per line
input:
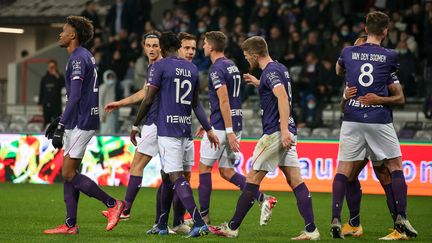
point(305, 35)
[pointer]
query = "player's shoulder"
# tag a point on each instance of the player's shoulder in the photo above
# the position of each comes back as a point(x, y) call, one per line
point(349, 49)
point(189, 65)
point(275, 68)
point(391, 52)
point(81, 54)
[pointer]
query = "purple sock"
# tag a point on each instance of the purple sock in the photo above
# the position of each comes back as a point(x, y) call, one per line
point(158, 203)
point(338, 193)
point(167, 193)
point(399, 189)
point(91, 189)
point(353, 197)
point(391, 204)
point(244, 203)
point(71, 196)
point(179, 211)
point(204, 192)
point(184, 193)
point(240, 181)
point(304, 205)
point(132, 190)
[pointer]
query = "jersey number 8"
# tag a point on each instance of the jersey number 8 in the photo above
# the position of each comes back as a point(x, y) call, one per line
point(366, 73)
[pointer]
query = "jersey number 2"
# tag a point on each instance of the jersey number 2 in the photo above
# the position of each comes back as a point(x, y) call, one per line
point(181, 85)
point(95, 88)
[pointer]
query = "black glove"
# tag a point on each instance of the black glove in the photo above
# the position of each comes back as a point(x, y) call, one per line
point(57, 140)
point(49, 133)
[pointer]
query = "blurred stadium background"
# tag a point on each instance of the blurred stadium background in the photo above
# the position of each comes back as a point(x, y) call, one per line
point(305, 35)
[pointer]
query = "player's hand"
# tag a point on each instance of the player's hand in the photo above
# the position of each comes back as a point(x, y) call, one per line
point(250, 79)
point(200, 132)
point(49, 133)
point(286, 139)
point(349, 92)
point(135, 131)
point(233, 142)
point(57, 140)
point(214, 140)
point(370, 99)
point(112, 106)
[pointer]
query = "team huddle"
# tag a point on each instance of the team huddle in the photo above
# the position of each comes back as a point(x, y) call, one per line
point(164, 120)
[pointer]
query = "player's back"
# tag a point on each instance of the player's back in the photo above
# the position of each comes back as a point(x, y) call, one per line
point(370, 68)
point(81, 66)
point(177, 80)
point(225, 72)
point(273, 75)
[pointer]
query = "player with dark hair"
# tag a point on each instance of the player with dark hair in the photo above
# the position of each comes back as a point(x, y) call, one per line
point(78, 124)
point(226, 118)
point(175, 81)
point(367, 123)
point(147, 147)
point(277, 146)
point(188, 45)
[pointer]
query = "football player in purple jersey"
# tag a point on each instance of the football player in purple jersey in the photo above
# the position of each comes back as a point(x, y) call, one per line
point(78, 124)
point(226, 118)
point(277, 146)
point(174, 81)
point(367, 123)
point(147, 147)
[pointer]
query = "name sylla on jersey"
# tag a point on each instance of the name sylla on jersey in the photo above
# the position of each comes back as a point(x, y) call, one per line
point(368, 57)
point(183, 72)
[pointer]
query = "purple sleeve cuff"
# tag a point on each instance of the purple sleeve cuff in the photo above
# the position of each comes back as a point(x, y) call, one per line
point(202, 117)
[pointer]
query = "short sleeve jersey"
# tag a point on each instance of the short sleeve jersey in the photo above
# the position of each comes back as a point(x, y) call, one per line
point(81, 68)
point(225, 72)
point(273, 75)
point(177, 80)
point(370, 68)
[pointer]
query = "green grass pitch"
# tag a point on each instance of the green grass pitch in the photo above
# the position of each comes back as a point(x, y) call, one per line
point(26, 210)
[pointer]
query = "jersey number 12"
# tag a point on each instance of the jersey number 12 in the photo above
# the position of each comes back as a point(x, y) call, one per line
point(181, 85)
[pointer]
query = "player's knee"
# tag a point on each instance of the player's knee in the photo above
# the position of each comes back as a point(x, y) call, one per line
point(173, 176)
point(394, 164)
point(226, 173)
point(294, 181)
point(68, 175)
point(255, 177)
point(187, 175)
point(382, 174)
point(203, 168)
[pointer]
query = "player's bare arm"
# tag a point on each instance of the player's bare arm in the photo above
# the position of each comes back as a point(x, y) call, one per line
point(142, 112)
point(250, 79)
point(135, 98)
point(349, 92)
point(202, 118)
point(284, 113)
point(397, 97)
point(225, 108)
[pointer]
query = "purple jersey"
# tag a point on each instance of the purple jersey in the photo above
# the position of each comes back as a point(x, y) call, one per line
point(370, 68)
point(225, 72)
point(83, 98)
point(151, 116)
point(177, 80)
point(273, 75)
